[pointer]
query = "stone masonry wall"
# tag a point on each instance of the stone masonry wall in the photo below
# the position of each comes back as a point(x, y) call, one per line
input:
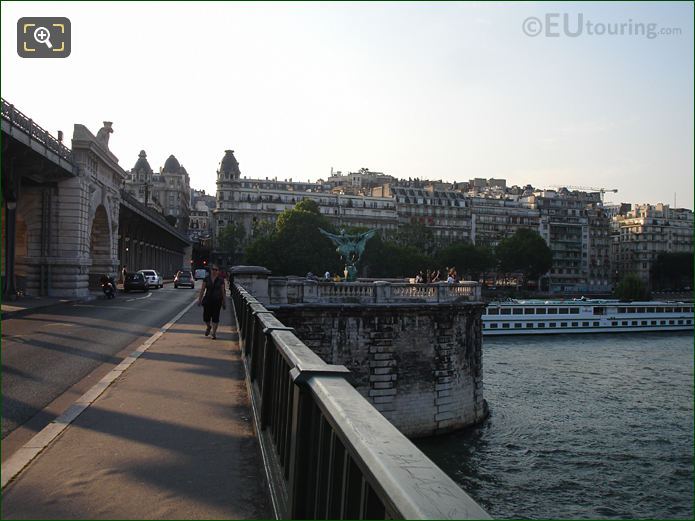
point(419, 364)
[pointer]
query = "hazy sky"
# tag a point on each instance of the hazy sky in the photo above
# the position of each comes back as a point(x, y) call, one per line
point(441, 91)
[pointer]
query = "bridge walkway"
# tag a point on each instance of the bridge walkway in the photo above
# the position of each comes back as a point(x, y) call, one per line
point(171, 438)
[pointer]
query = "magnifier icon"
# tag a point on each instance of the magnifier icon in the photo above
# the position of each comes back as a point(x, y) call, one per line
point(43, 35)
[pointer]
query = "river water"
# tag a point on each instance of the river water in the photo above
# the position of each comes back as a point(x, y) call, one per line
point(581, 426)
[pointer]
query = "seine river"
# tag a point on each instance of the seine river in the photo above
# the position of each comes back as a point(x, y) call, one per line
point(581, 426)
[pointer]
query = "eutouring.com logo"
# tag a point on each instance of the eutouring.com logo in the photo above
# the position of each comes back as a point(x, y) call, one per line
point(556, 25)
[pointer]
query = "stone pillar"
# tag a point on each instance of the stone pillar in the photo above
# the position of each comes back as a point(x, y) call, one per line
point(277, 289)
point(253, 279)
point(382, 291)
point(9, 291)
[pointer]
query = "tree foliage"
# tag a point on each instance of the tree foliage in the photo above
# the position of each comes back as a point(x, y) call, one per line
point(672, 271)
point(231, 238)
point(469, 260)
point(632, 288)
point(418, 236)
point(296, 246)
point(392, 260)
point(524, 252)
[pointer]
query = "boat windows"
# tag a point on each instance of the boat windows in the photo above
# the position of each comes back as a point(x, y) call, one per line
point(517, 325)
point(575, 324)
point(493, 311)
point(640, 310)
point(541, 324)
point(518, 311)
point(585, 324)
point(687, 321)
point(614, 323)
point(529, 311)
point(563, 324)
point(621, 310)
point(552, 324)
point(625, 322)
point(552, 311)
point(596, 324)
point(599, 310)
point(668, 310)
point(529, 325)
point(563, 311)
point(505, 311)
point(505, 325)
point(662, 322)
point(493, 326)
point(644, 323)
point(631, 310)
point(574, 311)
point(670, 322)
point(634, 322)
point(540, 311)
point(680, 322)
point(650, 310)
point(659, 310)
point(653, 322)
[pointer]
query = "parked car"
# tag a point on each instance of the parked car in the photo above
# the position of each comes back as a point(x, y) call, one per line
point(200, 273)
point(184, 278)
point(136, 280)
point(153, 278)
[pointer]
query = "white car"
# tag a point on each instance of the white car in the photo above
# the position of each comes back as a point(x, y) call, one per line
point(153, 278)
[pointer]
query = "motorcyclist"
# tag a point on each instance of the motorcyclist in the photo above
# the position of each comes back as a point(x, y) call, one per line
point(107, 284)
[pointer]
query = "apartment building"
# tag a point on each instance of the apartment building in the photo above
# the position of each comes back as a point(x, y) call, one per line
point(644, 232)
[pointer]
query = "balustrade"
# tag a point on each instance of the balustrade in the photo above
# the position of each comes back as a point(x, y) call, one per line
point(328, 452)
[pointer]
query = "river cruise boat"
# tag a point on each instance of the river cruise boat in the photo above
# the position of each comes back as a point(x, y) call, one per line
point(533, 317)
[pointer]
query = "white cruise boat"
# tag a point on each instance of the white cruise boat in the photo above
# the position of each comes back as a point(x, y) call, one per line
point(533, 317)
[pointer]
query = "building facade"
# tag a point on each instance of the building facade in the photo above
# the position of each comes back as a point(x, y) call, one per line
point(644, 232)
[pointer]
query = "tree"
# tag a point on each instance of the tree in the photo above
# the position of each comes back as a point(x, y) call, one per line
point(672, 271)
point(418, 236)
point(392, 260)
point(524, 252)
point(632, 288)
point(296, 246)
point(231, 238)
point(471, 261)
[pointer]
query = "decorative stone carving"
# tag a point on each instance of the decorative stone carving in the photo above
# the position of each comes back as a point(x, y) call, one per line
point(103, 134)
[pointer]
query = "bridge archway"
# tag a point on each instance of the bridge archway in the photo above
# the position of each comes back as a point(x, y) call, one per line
point(100, 246)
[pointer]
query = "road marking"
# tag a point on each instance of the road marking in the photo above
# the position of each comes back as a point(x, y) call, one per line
point(60, 324)
point(20, 459)
point(139, 298)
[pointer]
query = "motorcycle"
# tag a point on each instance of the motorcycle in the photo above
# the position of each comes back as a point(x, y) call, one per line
point(109, 288)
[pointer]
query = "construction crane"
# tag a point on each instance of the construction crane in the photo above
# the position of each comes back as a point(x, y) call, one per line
point(601, 191)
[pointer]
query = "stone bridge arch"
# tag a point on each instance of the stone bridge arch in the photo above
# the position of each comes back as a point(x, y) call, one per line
point(100, 246)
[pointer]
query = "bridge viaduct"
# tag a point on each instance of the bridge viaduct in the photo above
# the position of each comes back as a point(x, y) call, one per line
point(66, 219)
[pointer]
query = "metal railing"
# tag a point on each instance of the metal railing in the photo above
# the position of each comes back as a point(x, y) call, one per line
point(34, 131)
point(329, 453)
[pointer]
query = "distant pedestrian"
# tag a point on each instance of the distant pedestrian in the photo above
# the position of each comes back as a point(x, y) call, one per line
point(212, 298)
point(327, 276)
point(419, 278)
point(124, 272)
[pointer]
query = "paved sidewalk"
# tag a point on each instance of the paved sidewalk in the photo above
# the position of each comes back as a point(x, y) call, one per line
point(171, 438)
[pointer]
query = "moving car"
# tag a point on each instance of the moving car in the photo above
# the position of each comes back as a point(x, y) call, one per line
point(154, 278)
point(201, 273)
point(136, 280)
point(184, 278)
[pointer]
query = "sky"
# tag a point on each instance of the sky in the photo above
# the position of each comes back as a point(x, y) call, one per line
point(447, 91)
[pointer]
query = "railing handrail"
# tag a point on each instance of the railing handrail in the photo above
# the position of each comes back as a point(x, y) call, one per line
point(379, 467)
point(297, 290)
point(22, 121)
